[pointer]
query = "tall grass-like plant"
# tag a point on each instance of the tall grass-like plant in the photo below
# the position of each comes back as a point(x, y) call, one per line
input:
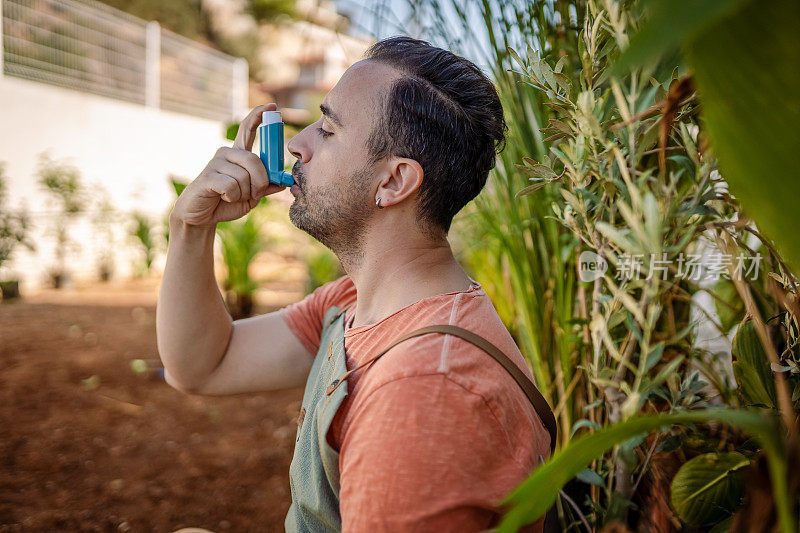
point(642, 194)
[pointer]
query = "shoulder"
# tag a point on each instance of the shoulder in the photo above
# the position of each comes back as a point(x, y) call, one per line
point(437, 362)
point(449, 354)
point(304, 318)
point(425, 438)
point(430, 409)
point(338, 292)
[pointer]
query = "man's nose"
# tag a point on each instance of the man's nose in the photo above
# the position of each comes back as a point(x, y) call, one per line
point(298, 147)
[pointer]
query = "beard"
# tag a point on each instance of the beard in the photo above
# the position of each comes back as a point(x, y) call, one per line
point(337, 214)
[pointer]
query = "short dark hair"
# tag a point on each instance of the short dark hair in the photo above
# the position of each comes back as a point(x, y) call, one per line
point(444, 113)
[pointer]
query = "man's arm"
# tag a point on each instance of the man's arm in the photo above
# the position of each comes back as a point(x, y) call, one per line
point(203, 350)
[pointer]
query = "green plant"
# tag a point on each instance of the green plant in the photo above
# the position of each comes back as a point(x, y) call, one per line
point(241, 242)
point(62, 181)
point(630, 160)
point(142, 231)
point(323, 267)
point(531, 499)
point(619, 165)
point(729, 44)
point(14, 225)
point(103, 220)
point(267, 10)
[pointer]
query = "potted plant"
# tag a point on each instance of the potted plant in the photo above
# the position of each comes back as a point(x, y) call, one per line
point(14, 226)
point(102, 220)
point(142, 230)
point(241, 242)
point(62, 182)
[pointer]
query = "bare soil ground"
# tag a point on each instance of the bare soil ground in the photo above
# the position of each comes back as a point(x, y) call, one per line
point(118, 451)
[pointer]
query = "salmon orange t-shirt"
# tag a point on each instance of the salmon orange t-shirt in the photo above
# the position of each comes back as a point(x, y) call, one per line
point(434, 433)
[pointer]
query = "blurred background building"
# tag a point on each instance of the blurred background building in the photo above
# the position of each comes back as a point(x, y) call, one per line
point(101, 103)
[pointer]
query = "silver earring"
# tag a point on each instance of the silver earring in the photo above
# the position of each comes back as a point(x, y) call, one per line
point(378, 203)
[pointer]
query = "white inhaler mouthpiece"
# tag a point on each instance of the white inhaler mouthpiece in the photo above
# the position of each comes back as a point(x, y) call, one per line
point(271, 117)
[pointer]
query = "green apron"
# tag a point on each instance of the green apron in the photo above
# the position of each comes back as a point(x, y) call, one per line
point(314, 471)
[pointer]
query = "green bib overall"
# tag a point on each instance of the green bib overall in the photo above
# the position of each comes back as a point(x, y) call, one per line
point(314, 471)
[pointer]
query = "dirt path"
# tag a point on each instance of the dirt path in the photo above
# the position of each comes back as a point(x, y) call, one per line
point(131, 454)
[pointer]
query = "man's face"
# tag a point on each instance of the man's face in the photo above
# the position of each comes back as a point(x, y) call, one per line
point(336, 198)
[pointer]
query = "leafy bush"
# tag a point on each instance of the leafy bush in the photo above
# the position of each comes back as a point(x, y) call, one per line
point(62, 181)
point(14, 225)
point(641, 189)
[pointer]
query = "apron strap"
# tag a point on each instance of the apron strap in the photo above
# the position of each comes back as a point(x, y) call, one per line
point(539, 403)
point(338, 314)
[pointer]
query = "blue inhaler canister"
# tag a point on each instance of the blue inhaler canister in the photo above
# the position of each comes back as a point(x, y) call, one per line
point(270, 134)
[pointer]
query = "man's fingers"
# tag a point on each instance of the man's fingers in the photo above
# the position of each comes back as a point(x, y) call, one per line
point(225, 186)
point(238, 173)
point(259, 179)
point(248, 127)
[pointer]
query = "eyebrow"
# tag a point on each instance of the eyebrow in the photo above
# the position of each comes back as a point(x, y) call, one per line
point(331, 115)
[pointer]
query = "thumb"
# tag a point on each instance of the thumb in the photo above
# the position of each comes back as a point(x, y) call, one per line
point(248, 127)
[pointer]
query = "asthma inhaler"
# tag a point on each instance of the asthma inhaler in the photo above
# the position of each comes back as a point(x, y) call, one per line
point(270, 134)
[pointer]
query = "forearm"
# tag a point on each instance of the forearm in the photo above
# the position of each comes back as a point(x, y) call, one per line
point(193, 326)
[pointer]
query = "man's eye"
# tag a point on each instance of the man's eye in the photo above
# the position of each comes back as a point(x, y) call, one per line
point(325, 134)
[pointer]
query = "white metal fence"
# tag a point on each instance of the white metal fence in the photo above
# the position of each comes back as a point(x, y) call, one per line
point(90, 47)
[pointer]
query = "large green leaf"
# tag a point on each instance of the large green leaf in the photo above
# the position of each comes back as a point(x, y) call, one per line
point(747, 76)
point(745, 59)
point(751, 367)
point(672, 22)
point(706, 489)
point(529, 501)
point(731, 309)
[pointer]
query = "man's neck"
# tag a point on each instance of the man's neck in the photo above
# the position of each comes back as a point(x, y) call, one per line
point(392, 275)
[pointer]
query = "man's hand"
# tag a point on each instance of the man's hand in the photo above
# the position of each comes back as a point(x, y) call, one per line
point(231, 184)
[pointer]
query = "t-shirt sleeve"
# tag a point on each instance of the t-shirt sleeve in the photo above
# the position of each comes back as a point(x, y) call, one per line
point(422, 453)
point(304, 318)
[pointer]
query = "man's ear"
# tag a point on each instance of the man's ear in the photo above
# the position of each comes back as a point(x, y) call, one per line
point(401, 177)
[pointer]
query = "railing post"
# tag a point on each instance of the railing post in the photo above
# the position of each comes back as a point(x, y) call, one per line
point(240, 89)
point(152, 86)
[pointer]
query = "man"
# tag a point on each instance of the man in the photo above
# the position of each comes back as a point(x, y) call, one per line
point(431, 436)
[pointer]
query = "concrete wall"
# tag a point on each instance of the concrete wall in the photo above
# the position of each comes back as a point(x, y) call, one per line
point(125, 149)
